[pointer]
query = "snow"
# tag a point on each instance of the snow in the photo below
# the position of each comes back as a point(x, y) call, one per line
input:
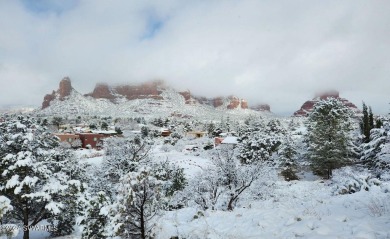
point(230, 140)
point(301, 209)
point(54, 207)
point(192, 165)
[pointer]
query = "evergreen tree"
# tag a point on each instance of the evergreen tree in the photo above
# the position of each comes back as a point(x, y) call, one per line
point(72, 200)
point(376, 153)
point(104, 126)
point(365, 124)
point(210, 128)
point(33, 173)
point(96, 217)
point(140, 200)
point(370, 118)
point(328, 136)
point(288, 153)
point(144, 131)
point(57, 121)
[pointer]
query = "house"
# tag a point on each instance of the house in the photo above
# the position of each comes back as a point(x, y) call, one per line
point(165, 132)
point(91, 140)
point(228, 140)
point(196, 134)
point(67, 137)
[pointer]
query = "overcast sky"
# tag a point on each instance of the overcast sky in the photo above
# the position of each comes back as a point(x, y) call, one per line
point(276, 52)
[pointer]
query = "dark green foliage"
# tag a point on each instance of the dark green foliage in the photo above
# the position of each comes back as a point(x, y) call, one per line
point(378, 123)
point(57, 121)
point(94, 221)
point(173, 175)
point(328, 136)
point(104, 126)
point(210, 128)
point(118, 130)
point(144, 131)
point(288, 154)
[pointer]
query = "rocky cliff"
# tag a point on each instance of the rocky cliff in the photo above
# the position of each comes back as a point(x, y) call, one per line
point(307, 107)
point(62, 93)
point(233, 102)
point(150, 90)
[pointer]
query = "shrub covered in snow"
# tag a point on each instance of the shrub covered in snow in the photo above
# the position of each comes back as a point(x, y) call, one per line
point(348, 180)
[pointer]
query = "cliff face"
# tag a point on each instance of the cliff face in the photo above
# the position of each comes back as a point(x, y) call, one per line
point(233, 101)
point(307, 107)
point(149, 90)
point(64, 90)
point(102, 91)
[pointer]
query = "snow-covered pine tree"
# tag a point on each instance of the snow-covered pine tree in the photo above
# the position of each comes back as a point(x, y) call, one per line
point(72, 199)
point(31, 172)
point(376, 153)
point(258, 141)
point(140, 200)
point(328, 136)
point(96, 218)
point(288, 154)
point(122, 156)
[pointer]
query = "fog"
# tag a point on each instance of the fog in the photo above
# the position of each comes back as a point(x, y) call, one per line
point(276, 52)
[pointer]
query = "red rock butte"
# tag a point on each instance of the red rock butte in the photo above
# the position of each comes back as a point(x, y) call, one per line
point(307, 107)
point(62, 93)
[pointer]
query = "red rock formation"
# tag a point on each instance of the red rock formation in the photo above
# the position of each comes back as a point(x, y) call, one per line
point(218, 101)
point(151, 90)
point(244, 104)
point(261, 107)
point(47, 99)
point(102, 91)
point(307, 107)
point(234, 102)
point(187, 97)
point(64, 90)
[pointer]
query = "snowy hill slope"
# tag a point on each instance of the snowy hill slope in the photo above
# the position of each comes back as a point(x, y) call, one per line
point(172, 104)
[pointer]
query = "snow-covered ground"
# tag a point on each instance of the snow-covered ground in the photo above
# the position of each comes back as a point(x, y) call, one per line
point(301, 209)
point(298, 209)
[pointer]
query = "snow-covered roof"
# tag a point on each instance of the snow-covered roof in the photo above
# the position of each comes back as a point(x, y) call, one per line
point(104, 131)
point(230, 140)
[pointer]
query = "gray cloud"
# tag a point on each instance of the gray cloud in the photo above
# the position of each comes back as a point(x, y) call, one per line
point(278, 52)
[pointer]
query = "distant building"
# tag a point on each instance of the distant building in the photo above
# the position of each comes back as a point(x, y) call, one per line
point(92, 140)
point(230, 140)
point(197, 134)
point(67, 137)
point(165, 132)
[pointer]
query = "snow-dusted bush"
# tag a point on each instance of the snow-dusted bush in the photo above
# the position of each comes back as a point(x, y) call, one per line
point(379, 206)
point(348, 180)
point(222, 185)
